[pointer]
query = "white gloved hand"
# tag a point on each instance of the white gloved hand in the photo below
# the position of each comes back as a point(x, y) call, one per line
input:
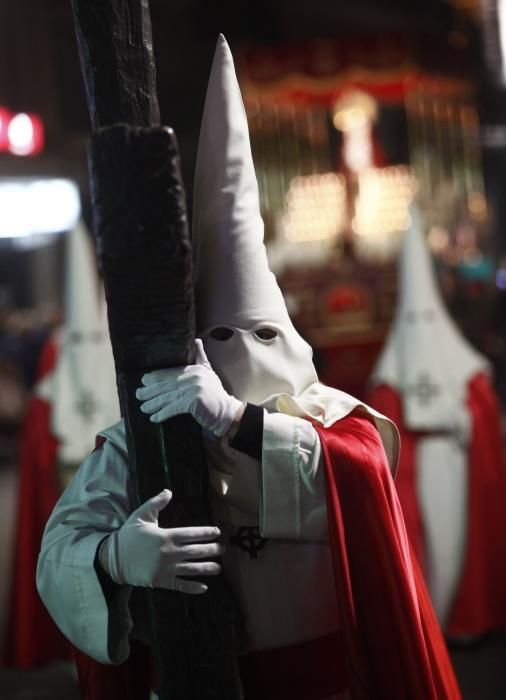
point(194, 389)
point(140, 553)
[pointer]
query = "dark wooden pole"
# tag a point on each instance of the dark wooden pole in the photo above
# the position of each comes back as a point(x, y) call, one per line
point(145, 257)
point(116, 50)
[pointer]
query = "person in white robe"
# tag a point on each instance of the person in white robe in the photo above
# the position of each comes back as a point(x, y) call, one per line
point(269, 507)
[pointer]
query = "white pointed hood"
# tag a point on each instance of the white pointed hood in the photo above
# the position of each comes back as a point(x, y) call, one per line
point(234, 286)
point(235, 290)
point(425, 357)
point(82, 387)
point(81, 303)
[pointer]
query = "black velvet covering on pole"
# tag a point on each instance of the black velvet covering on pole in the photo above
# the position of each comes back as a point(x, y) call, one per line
point(145, 258)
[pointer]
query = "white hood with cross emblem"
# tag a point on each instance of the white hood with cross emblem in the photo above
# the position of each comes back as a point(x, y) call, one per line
point(425, 357)
point(81, 389)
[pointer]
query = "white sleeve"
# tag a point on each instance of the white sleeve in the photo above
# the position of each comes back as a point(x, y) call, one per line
point(293, 481)
point(97, 501)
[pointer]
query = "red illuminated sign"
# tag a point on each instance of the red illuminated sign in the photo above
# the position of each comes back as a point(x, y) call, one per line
point(21, 134)
point(5, 117)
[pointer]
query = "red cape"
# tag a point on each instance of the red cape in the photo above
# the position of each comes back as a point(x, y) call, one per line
point(391, 647)
point(32, 638)
point(480, 602)
point(395, 649)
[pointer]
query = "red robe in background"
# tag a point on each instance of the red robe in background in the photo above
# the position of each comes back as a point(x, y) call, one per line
point(31, 636)
point(480, 601)
point(390, 646)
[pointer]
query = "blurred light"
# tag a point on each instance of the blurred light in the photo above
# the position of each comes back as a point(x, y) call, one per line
point(451, 256)
point(438, 239)
point(475, 266)
point(5, 118)
point(466, 236)
point(501, 21)
point(353, 114)
point(477, 205)
point(383, 201)
point(493, 136)
point(31, 207)
point(500, 278)
point(354, 110)
point(472, 256)
point(25, 135)
point(349, 119)
point(492, 37)
point(316, 206)
point(357, 148)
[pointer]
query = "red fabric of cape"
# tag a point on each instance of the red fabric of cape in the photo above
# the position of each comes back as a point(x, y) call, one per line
point(480, 601)
point(32, 637)
point(394, 645)
point(130, 680)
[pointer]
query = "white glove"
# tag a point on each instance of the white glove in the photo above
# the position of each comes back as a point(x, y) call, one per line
point(194, 389)
point(142, 554)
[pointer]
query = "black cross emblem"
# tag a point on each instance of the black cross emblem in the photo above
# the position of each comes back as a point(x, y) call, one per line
point(86, 405)
point(424, 390)
point(249, 540)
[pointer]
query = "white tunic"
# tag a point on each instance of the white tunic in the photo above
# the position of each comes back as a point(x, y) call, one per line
point(287, 593)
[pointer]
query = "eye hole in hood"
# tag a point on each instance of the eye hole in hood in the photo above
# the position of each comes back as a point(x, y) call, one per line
point(221, 333)
point(266, 333)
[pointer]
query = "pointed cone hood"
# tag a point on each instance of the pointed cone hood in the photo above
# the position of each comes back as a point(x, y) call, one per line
point(81, 313)
point(82, 387)
point(235, 288)
point(233, 284)
point(417, 279)
point(232, 273)
point(425, 357)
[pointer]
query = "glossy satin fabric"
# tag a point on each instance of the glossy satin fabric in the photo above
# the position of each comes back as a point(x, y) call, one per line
point(480, 604)
point(480, 601)
point(395, 649)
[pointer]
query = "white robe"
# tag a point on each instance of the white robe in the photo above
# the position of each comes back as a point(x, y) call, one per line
point(287, 594)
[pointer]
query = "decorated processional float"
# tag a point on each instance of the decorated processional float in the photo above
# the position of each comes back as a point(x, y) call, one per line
point(345, 133)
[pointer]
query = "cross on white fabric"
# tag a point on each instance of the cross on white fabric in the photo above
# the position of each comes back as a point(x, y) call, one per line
point(249, 540)
point(86, 405)
point(424, 390)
